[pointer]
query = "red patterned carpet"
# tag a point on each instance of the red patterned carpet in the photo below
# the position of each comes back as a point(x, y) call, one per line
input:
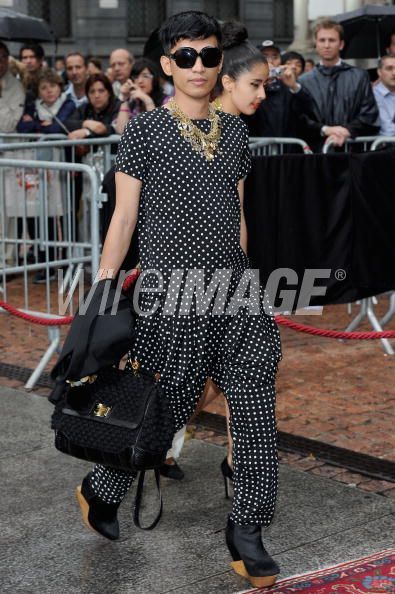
point(369, 575)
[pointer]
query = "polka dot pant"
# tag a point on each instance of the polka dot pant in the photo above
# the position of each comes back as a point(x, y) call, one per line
point(244, 368)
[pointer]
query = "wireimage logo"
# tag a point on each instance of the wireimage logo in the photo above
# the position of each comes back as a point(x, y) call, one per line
point(181, 292)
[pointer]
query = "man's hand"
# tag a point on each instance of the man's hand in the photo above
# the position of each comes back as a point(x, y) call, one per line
point(46, 122)
point(289, 78)
point(27, 118)
point(336, 134)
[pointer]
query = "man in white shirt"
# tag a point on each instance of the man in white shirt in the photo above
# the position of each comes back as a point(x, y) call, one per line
point(384, 93)
point(77, 73)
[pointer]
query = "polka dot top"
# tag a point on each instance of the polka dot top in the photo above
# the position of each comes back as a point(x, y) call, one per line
point(189, 211)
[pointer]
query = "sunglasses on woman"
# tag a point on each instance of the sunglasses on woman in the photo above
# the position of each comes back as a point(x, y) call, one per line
point(186, 57)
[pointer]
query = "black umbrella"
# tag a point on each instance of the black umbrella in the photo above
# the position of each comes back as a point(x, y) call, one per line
point(15, 26)
point(367, 30)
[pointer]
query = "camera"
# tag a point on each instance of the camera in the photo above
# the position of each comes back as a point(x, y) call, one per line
point(275, 72)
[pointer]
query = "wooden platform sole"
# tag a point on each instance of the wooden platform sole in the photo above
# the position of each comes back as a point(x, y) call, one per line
point(257, 582)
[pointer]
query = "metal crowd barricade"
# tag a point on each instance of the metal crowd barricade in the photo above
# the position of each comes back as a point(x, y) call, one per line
point(99, 149)
point(30, 151)
point(261, 146)
point(99, 156)
point(31, 136)
point(382, 140)
point(360, 142)
point(55, 244)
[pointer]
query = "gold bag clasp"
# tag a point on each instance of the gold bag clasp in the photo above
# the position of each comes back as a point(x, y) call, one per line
point(101, 410)
point(135, 366)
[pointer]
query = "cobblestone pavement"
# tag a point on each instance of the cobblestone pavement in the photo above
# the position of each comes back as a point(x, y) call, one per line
point(338, 392)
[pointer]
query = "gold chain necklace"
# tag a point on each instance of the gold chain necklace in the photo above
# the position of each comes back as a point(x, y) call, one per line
point(205, 144)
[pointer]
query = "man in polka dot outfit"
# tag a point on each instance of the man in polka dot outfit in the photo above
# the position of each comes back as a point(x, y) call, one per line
point(189, 212)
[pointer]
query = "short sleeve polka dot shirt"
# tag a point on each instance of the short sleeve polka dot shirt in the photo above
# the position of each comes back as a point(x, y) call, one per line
point(189, 213)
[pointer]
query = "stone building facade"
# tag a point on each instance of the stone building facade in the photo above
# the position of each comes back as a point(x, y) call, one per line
point(97, 26)
point(305, 12)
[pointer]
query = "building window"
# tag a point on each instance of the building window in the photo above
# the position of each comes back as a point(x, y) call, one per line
point(55, 13)
point(223, 11)
point(144, 16)
point(283, 20)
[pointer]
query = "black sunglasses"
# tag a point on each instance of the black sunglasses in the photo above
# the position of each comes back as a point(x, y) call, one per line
point(186, 57)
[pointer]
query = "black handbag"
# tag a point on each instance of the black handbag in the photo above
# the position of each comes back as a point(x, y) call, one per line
point(118, 418)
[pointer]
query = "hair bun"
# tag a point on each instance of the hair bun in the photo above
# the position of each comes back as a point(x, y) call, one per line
point(233, 34)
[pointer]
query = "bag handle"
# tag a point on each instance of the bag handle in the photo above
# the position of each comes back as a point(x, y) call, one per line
point(139, 497)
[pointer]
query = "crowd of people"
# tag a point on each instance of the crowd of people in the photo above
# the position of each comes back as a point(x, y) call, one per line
point(329, 100)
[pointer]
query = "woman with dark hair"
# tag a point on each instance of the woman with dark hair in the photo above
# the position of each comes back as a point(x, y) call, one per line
point(92, 120)
point(240, 88)
point(142, 92)
point(98, 116)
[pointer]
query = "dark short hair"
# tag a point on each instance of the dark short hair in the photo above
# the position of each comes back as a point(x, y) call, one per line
point(156, 94)
point(239, 54)
point(71, 54)
point(191, 24)
point(4, 48)
point(328, 24)
point(293, 56)
point(383, 59)
point(95, 61)
point(33, 47)
point(49, 75)
point(100, 77)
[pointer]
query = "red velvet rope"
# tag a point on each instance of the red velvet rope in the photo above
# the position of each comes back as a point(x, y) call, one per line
point(333, 333)
point(60, 321)
point(64, 321)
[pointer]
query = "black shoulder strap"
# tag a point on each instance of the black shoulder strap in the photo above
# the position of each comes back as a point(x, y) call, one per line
point(138, 499)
